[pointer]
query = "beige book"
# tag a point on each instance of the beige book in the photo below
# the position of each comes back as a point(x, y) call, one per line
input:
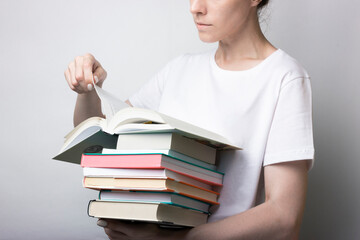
point(152, 212)
point(143, 184)
point(143, 173)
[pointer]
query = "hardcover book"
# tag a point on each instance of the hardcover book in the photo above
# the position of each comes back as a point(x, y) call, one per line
point(152, 212)
point(152, 161)
point(164, 185)
point(155, 197)
point(94, 134)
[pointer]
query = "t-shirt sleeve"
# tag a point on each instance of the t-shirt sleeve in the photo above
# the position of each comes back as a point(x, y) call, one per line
point(149, 95)
point(291, 133)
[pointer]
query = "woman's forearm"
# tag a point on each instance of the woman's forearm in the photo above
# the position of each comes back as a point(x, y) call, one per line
point(278, 218)
point(87, 105)
point(261, 222)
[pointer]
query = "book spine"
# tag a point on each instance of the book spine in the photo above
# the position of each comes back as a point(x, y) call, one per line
point(88, 208)
point(199, 198)
point(201, 177)
point(120, 161)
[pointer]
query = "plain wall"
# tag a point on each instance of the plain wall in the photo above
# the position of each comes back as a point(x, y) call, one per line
point(44, 199)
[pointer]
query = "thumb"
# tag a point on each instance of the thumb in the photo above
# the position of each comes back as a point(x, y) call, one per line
point(99, 74)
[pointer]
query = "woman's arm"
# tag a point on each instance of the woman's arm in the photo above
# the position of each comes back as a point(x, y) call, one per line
point(79, 76)
point(279, 217)
point(87, 105)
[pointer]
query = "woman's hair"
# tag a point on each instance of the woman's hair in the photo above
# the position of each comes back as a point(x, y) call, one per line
point(263, 3)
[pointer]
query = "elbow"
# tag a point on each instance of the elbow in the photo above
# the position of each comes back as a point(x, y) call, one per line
point(290, 227)
point(287, 221)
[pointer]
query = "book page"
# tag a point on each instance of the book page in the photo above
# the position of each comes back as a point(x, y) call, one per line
point(109, 103)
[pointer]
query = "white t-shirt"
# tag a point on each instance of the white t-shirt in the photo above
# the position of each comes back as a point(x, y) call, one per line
point(266, 110)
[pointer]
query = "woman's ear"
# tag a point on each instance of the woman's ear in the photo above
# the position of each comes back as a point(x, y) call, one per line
point(255, 3)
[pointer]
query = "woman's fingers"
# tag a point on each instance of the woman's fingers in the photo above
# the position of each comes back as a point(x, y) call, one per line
point(88, 64)
point(75, 83)
point(82, 71)
point(79, 72)
point(117, 229)
point(99, 74)
point(114, 235)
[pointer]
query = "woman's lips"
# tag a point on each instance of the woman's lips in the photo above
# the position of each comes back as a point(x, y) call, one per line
point(202, 26)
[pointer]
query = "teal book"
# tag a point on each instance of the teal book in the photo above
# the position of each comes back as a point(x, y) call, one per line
point(155, 197)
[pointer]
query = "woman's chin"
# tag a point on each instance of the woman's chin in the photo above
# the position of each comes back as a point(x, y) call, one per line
point(207, 38)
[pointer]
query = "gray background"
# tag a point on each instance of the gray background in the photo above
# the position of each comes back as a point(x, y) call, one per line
point(44, 199)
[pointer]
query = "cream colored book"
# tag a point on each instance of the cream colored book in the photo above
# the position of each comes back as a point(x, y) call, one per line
point(143, 173)
point(164, 214)
point(143, 184)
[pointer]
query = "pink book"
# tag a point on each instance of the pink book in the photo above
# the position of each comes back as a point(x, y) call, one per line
point(152, 161)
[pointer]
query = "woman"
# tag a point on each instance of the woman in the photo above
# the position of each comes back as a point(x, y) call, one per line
point(255, 95)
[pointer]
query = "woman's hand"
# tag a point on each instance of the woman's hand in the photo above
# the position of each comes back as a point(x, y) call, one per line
point(80, 75)
point(81, 72)
point(122, 230)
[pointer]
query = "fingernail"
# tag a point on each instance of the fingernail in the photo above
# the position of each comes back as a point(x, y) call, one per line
point(90, 87)
point(102, 223)
point(96, 79)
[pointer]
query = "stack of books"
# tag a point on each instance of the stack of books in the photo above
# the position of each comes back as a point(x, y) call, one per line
point(147, 167)
point(165, 183)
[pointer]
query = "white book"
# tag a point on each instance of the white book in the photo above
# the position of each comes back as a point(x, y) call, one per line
point(172, 141)
point(142, 173)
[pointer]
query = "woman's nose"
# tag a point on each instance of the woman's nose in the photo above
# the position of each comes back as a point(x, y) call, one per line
point(198, 7)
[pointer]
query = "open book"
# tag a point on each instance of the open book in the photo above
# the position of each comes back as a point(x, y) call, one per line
point(94, 134)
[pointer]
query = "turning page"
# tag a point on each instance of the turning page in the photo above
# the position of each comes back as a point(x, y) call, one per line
point(109, 103)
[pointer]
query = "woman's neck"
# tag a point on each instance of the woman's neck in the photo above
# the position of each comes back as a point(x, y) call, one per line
point(244, 50)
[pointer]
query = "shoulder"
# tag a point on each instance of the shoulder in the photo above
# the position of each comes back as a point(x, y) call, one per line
point(289, 67)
